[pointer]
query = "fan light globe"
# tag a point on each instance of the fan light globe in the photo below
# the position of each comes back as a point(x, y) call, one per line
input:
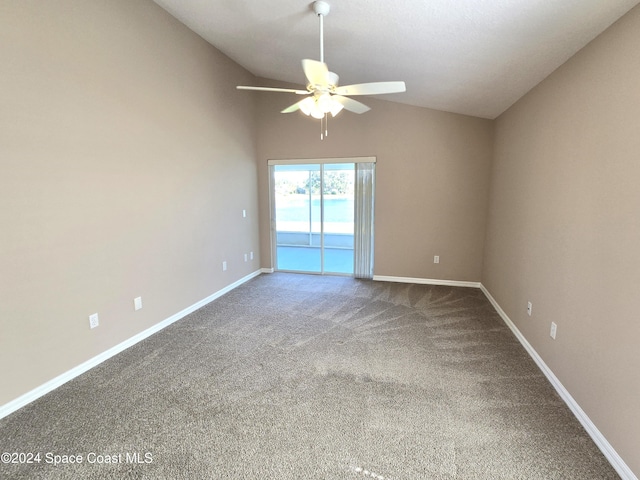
point(335, 107)
point(324, 102)
point(317, 113)
point(307, 105)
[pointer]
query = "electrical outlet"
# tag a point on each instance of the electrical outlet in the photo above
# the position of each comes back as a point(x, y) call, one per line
point(137, 303)
point(436, 259)
point(246, 257)
point(94, 321)
point(554, 329)
point(529, 308)
point(251, 256)
point(224, 266)
point(244, 214)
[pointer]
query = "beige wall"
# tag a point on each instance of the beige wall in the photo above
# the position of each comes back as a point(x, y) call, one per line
point(564, 229)
point(126, 158)
point(432, 179)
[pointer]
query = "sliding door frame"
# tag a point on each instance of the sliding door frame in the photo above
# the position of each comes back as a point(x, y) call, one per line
point(272, 204)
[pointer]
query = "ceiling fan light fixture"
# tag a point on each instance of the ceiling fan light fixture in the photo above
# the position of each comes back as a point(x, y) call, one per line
point(328, 104)
point(325, 96)
point(321, 105)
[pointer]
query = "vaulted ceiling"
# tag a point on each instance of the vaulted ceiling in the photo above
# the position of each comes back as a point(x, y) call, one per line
point(475, 57)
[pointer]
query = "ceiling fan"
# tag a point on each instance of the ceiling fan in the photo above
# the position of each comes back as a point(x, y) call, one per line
point(323, 96)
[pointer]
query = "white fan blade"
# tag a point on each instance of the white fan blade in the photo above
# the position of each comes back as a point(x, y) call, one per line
point(294, 107)
point(272, 89)
point(316, 72)
point(351, 104)
point(375, 88)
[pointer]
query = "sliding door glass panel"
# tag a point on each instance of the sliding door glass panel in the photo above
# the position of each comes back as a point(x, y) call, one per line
point(338, 182)
point(298, 218)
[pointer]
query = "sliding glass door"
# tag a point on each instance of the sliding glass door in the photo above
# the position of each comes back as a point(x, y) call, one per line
point(314, 208)
point(322, 216)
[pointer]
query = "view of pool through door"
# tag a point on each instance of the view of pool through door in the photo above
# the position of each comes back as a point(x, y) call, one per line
point(313, 217)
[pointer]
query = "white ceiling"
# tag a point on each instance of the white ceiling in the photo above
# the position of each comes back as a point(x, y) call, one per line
point(475, 57)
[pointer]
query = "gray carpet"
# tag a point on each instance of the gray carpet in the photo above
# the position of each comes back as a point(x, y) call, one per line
point(296, 376)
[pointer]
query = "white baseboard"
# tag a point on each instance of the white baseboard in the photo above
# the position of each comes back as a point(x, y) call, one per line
point(426, 281)
point(267, 270)
point(51, 385)
point(616, 461)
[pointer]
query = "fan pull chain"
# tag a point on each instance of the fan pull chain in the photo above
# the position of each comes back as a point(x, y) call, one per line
point(324, 130)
